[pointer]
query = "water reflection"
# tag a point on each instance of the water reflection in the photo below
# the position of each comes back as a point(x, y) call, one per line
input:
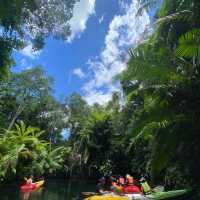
point(33, 195)
point(52, 190)
point(26, 195)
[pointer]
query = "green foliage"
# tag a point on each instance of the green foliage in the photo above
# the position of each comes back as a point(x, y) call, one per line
point(23, 152)
point(9, 158)
point(189, 45)
point(25, 22)
point(39, 18)
point(147, 65)
point(94, 138)
point(28, 96)
point(5, 60)
point(162, 95)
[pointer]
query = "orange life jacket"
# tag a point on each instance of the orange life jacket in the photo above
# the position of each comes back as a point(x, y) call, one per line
point(130, 180)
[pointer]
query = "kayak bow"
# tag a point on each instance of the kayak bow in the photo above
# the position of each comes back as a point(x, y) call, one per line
point(166, 195)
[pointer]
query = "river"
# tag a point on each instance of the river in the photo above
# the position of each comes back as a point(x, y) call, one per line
point(52, 190)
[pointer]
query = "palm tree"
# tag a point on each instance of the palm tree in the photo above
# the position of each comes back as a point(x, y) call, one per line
point(9, 158)
point(19, 145)
point(54, 159)
point(189, 46)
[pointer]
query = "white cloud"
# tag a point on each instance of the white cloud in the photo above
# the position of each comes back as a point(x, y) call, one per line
point(23, 63)
point(28, 51)
point(125, 31)
point(78, 72)
point(97, 96)
point(101, 19)
point(82, 11)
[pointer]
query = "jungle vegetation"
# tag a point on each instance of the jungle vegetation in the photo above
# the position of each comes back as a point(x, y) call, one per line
point(153, 130)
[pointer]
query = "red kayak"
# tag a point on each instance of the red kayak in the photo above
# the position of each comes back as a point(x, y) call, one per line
point(32, 186)
point(131, 189)
point(28, 187)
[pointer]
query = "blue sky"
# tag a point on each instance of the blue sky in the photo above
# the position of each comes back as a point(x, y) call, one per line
point(97, 50)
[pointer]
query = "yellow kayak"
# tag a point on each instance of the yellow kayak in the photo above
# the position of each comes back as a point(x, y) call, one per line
point(107, 197)
point(39, 183)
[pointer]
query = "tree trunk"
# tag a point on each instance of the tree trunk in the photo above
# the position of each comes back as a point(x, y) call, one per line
point(18, 112)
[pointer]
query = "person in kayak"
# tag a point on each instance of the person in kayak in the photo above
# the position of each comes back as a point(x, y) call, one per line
point(145, 188)
point(129, 180)
point(115, 186)
point(121, 181)
point(131, 187)
point(113, 183)
point(29, 181)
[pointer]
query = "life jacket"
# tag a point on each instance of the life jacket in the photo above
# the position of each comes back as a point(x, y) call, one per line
point(121, 181)
point(145, 187)
point(130, 180)
point(132, 189)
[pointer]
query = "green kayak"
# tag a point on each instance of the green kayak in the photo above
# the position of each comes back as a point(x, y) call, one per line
point(154, 196)
point(166, 195)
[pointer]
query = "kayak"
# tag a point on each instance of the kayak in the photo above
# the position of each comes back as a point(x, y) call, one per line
point(167, 194)
point(131, 189)
point(31, 187)
point(88, 194)
point(107, 197)
point(153, 196)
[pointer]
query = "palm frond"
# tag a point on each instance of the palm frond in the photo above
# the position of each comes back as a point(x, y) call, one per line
point(184, 15)
point(146, 68)
point(189, 45)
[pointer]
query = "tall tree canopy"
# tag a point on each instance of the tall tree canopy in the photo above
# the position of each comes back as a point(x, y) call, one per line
point(28, 96)
point(29, 22)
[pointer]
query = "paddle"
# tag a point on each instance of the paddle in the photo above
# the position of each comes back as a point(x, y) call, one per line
point(88, 194)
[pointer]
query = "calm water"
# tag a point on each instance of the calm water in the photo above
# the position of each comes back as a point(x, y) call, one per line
point(52, 190)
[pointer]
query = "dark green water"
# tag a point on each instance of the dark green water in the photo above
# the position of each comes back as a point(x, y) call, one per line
point(52, 190)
